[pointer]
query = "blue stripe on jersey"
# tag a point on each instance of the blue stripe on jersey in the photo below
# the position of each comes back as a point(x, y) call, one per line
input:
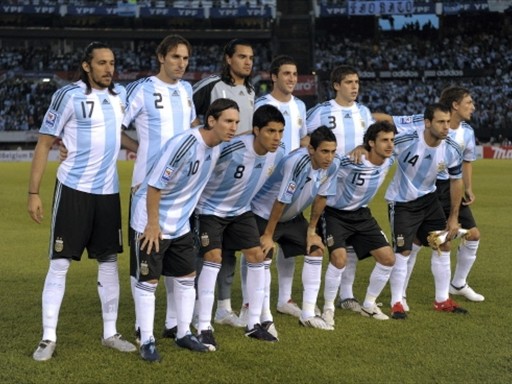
point(300, 166)
point(132, 87)
point(231, 148)
point(182, 151)
point(60, 94)
point(313, 110)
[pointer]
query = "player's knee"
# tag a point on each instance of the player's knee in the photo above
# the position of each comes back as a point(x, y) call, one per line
point(213, 256)
point(473, 234)
point(338, 258)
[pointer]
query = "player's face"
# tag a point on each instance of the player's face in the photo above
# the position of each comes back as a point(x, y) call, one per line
point(439, 127)
point(225, 125)
point(101, 69)
point(347, 89)
point(241, 61)
point(384, 144)
point(174, 64)
point(268, 138)
point(323, 155)
point(464, 108)
point(286, 79)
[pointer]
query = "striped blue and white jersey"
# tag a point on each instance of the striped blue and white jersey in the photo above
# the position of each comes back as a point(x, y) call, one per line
point(418, 165)
point(294, 112)
point(348, 123)
point(181, 171)
point(238, 175)
point(294, 183)
point(158, 111)
point(90, 128)
point(463, 135)
point(356, 184)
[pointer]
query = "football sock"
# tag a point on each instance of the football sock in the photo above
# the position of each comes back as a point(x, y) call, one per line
point(466, 256)
point(206, 293)
point(397, 278)
point(170, 312)
point(53, 293)
point(440, 264)
point(349, 275)
point(285, 271)
point(311, 280)
point(331, 285)
point(266, 314)
point(410, 266)
point(255, 292)
point(145, 309)
point(378, 280)
point(108, 290)
point(185, 295)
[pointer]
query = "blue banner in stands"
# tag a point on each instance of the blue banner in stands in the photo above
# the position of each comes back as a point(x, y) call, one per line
point(455, 8)
point(389, 7)
point(46, 9)
point(222, 13)
point(172, 12)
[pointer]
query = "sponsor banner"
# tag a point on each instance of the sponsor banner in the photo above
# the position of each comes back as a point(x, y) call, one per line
point(46, 9)
point(20, 155)
point(306, 86)
point(222, 13)
point(497, 152)
point(389, 7)
point(96, 10)
point(454, 8)
point(172, 12)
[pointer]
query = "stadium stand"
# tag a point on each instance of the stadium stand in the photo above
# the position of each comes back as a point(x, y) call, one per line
point(401, 70)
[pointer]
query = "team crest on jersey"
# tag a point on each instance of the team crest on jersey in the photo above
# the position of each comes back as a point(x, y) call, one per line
point(270, 170)
point(363, 125)
point(59, 244)
point(144, 268)
point(51, 119)
point(123, 108)
point(400, 240)
point(189, 103)
point(300, 122)
point(291, 188)
point(166, 176)
point(441, 166)
point(205, 240)
point(330, 241)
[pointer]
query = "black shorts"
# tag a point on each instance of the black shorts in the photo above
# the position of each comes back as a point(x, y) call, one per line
point(357, 228)
point(290, 235)
point(415, 219)
point(229, 233)
point(466, 218)
point(82, 221)
point(176, 258)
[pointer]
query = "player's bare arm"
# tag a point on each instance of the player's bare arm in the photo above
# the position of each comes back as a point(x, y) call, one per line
point(267, 239)
point(316, 211)
point(35, 206)
point(152, 234)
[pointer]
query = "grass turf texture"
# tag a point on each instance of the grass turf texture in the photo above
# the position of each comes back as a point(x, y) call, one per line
point(428, 347)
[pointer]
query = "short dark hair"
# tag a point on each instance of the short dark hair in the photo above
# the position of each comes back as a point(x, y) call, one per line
point(265, 114)
point(170, 42)
point(279, 61)
point(217, 107)
point(453, 94)
point(340, 72)
point(432, 108)
point(321, 134)
point(87, 58)
point(373, 131)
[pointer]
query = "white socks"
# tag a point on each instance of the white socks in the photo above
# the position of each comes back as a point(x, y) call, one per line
point(170, 312)
point(378, 280)
point(206, 293)
point(266, 314)
point(411, 262)
point(285, 272)
point(185, 297)
point(331, 285)
point(349, 275)
point(311, 279)
point(397, 278)
point(108, 290)
point(145, 309)
point(53, 293)
point(466, 256)
point(440, 264)
point(255, 292)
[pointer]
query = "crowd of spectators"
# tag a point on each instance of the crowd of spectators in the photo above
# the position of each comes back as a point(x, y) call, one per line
point(484, 54)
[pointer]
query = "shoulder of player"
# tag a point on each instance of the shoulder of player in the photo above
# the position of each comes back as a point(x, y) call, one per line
point(207, 82)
